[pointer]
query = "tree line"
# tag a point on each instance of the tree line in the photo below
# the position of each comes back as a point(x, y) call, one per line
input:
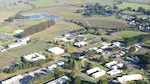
point(136, 39)
point(25, 65)
point(37, 28)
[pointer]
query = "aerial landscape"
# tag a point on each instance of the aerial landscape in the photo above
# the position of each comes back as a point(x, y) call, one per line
point(74, 41)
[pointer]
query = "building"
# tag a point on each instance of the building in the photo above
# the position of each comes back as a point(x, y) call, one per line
point(99, 51)
point(12, 80)
point(90, 71)
point(80, 44)
point(34, 57)
point(111, 64)
point(60, 80)
point(18, 32)
point(16, 44)
point(99, 73)
point(53, 66)
point(25, 39)
point(56, 50)
point(114, 72)
point(129, 78)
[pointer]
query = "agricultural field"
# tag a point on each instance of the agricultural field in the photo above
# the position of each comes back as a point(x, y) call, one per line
point(11, 27)
point(55, 31)
point(133, 6)
point(105, 23)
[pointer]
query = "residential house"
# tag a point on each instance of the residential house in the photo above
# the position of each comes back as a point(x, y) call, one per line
point(56, 50)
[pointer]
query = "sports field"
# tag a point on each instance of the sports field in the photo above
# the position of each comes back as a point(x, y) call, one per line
point(127, 33)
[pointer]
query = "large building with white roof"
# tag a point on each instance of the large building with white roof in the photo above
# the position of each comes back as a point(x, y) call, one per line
point(80, 44)
point(16, 44)
point(90, 71)
point(56, 50)
point(99, 73)
point(129, 78)
point(34, 57)
point(114, 72)
point(12, 80)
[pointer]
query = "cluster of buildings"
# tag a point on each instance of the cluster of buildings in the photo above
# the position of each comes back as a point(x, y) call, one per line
point(77, 40)
point(96, 72)
point(136, 21)
point(115, 67)
point(34, 57)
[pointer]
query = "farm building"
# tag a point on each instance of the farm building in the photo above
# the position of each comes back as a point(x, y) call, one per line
point(80, 44)
point(90, 71)
point(60, 63)
point(56, 50)
point(16, 44)
point(17, 32)
point(110, 64)
point(25, 39)
point(129, 77)
point(12, 80)
point(99, 73)
point(114, 72)
point(60, 80)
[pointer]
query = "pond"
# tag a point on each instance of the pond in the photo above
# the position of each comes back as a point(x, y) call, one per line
point(39, 16)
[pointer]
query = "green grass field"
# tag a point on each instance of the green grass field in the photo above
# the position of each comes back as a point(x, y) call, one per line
point(133, 6)
point(126, 33)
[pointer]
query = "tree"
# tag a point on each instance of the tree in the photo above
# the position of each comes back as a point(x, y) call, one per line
point(102, 82)
point(115, 48)
point(102, 59)
point(129, 8)
point(77, 80)
point(132, 49)
point(89, 66)
point(11, 19)
point(141, 9)
point(124, 67)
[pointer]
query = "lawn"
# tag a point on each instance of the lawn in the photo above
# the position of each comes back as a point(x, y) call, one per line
point(5, 14)
point(126, 33)
point(133, 6)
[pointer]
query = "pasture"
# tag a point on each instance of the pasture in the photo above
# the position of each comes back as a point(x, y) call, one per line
point(133, 6)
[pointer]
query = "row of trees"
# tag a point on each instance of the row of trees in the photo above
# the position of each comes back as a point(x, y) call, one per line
point(140, 9)
point(137, 39)
point(37, 28)
point(25, 65)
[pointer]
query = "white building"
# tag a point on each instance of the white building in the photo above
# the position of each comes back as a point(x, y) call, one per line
point(12, 80)
point(25, 39)
point(111, 64)
point(80, 44)
point(60, 80)
point(90, 71)
point(118, 44)
point(93, 48)
point(99, 51)
point(16, 44)
point(56, 50)
point(17, 32)
point(60, 63)
point(99, 74)
point(129, 78)
point(34, 57)
point(53, 66)
point(114, 72)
